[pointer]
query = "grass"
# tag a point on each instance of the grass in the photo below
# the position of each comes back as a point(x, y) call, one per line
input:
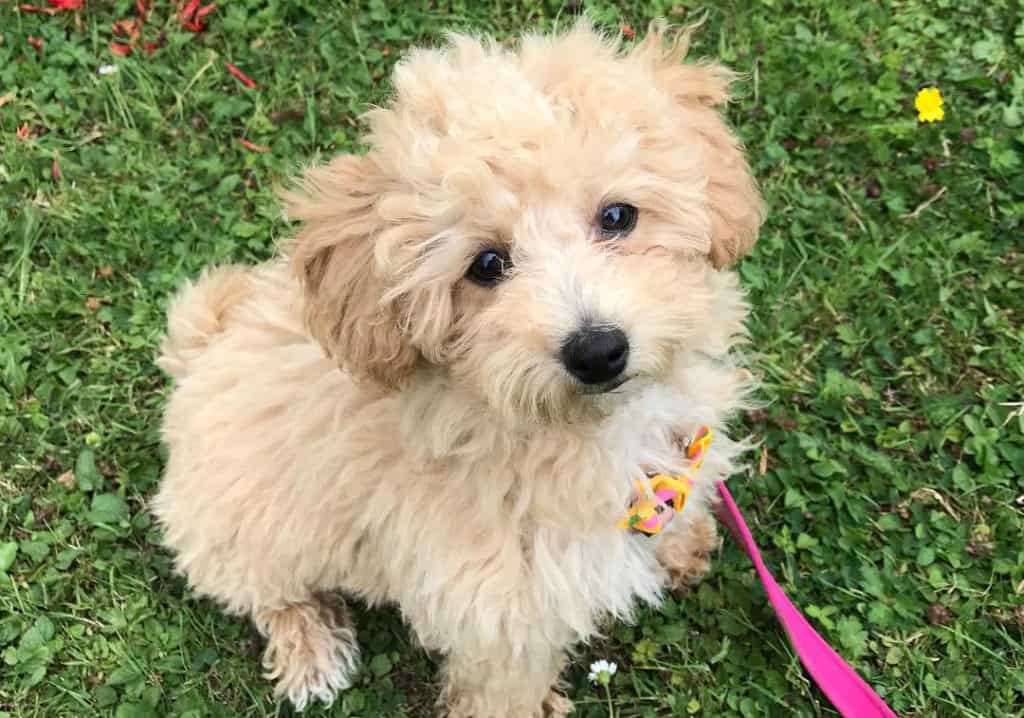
point(888, 294)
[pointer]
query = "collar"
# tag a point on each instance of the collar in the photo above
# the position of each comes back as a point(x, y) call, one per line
point(656, 501)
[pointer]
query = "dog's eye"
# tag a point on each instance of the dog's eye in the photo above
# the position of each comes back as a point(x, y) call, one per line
point(617, 219)
point(489, 267)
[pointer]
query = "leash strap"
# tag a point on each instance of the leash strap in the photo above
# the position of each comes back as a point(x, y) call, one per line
point(850, 695)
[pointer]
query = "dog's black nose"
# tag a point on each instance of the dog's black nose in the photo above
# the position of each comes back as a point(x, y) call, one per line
point(596, 355)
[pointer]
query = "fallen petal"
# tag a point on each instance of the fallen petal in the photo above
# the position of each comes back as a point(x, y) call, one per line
point(250, 146)
point(192, 15)
point(119, 49)
point(36, 43)
point(242, 77)
point(189, 10)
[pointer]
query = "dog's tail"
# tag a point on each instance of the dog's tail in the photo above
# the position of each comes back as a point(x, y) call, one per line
point(198, 314)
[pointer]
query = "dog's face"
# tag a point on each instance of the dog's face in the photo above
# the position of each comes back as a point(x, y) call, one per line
point(545, 224)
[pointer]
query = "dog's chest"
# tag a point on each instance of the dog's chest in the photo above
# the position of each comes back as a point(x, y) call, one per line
point(580, 579)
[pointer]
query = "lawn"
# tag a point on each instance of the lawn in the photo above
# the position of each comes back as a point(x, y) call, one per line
point(888, 295)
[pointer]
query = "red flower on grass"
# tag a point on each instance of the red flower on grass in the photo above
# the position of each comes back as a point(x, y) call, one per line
point(242, 77)
point(36, 43)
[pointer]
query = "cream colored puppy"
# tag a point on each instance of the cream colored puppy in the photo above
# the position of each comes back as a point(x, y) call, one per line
point(489, 327)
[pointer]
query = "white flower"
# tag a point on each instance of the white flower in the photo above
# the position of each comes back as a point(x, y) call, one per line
point(108, 69)
point(602, 671)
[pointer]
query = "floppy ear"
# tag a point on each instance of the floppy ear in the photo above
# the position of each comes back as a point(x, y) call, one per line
point(334, 259)
point(736, 207)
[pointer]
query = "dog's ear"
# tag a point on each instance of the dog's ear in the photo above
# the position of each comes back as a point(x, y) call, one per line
point(333, 256)
point(699, 89)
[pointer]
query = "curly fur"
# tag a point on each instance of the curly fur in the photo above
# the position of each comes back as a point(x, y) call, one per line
point(358, 417)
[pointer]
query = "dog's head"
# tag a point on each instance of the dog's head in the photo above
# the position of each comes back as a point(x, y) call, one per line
point(544, 224)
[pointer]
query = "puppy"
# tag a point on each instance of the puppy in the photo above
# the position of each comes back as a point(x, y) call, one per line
point(511, 309)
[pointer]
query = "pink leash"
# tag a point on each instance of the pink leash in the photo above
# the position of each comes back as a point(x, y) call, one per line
point(850, 695)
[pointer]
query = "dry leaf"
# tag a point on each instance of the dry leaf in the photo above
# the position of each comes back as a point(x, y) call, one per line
point(67, 479)
point(926, 493)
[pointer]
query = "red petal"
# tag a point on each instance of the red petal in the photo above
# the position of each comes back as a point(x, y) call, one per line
point(67, 4)
point(140, 8)
point(36, 43)
point(150, 47)
point(55, 170)
point(119, 49)
point(189, 10)
point(242, 77)
point(206, 10)
point(250, 146)
point(30, 8)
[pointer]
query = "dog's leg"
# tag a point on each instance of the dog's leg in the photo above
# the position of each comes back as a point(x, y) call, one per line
point(498, 686)
point(311, 649)
point(685, 552)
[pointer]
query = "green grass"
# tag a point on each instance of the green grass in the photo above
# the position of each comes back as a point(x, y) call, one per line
point(887, 326)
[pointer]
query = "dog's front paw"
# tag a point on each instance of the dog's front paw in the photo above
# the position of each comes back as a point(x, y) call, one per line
point(312, 653)
point(686, 554)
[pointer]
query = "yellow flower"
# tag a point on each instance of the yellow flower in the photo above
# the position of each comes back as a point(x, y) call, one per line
point(929, 105)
